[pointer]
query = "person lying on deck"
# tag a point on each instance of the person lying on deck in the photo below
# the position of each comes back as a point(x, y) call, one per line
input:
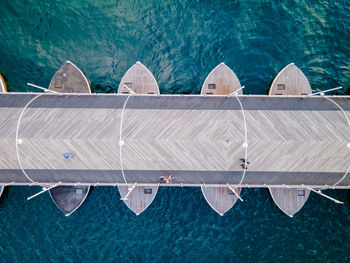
point(166, 179)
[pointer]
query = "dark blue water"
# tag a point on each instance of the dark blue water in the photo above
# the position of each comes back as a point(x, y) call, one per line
point(180, 42)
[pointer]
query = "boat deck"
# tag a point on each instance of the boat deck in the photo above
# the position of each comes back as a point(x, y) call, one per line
point(290, 200)
point(290, 81)
point(69, 198)
point(69, 79)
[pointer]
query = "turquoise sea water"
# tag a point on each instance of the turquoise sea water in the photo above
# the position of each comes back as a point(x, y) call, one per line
point(180, 42)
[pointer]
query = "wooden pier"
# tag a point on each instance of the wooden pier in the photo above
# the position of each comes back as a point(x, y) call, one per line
point(295, 140)
point(221, 140)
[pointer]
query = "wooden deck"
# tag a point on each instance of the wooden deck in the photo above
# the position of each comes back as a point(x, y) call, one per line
point(138, 79)
point(290, 81)
point(289, 200)
point(220, 81)
point(197, 139)
point(69, 79)
point(141, 81)
point(293, 82)
point(221, 198)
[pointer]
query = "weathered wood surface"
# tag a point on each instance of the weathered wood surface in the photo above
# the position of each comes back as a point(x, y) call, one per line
point(69, 79)
point(69, 198)
point(141, 81)
point(293, 80)
point(288, 199)
point(197, 139)
point(220, 81)
point(140, 197)
point(221, 199)
point(290, 81)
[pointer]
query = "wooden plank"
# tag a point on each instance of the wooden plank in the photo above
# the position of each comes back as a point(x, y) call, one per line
point(221, 81)
point(290, 81)
point(69, 79)
point(141, 81)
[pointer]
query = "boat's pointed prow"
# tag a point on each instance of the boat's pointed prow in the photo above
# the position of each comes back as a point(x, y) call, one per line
point(69, 198)
point(289, 200)
point(221, 199)
point(69, 79)
point(221, 81)
point(139, 80)
point(139, 198)
point(290, 81)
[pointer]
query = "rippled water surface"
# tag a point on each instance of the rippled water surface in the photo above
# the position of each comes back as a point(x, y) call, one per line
point(180, 42)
